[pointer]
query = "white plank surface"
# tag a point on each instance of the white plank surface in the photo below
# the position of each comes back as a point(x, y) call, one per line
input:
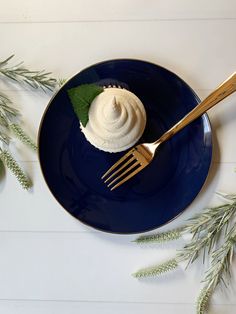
point(56, 266)
point(37, 307)
point(185, 47)
point(52, 264)
point(92, 10)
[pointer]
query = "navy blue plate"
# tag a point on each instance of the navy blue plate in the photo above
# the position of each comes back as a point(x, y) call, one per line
point(72, 167)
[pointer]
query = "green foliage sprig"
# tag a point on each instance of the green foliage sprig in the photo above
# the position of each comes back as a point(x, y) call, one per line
point(7, 126)
point(219, 270)
point(160, 237)
point(211, 237)
point(21, 134)
point(20, 74)
point(203, 300)
point(7, 112)
point(10, 162)
point(157, 270)
point(10, 119)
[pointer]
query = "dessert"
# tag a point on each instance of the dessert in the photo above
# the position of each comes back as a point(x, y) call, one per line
point(117, 119)
point(112, 119)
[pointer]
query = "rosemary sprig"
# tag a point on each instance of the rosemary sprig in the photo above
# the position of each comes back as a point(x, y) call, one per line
point(4, 138)
point(221, 260)
point(20, 74)
point(160, 237)
point(23, 137)
point(12, 165)
point(211, 219)
point(7, 112)
point(157, 270)
point(208, 230)
point(61, 81)
point(203, 300)
point(7, 117)
point(219, 270)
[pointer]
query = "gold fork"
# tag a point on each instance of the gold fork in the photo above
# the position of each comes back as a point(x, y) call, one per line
point(141, 155)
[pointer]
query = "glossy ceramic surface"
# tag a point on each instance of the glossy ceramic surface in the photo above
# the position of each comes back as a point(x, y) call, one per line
point(72, 167)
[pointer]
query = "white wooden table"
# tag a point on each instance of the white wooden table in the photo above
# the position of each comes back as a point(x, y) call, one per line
point(49, 262)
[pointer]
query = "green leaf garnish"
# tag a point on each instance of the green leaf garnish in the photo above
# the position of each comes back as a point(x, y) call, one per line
point(81, 98)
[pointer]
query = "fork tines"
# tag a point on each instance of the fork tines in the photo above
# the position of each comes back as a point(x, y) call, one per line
point(127, 163)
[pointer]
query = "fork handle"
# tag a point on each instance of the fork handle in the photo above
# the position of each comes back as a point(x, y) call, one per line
point(221, 92)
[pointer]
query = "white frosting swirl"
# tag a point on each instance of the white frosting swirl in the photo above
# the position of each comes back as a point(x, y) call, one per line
point(117, 119)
